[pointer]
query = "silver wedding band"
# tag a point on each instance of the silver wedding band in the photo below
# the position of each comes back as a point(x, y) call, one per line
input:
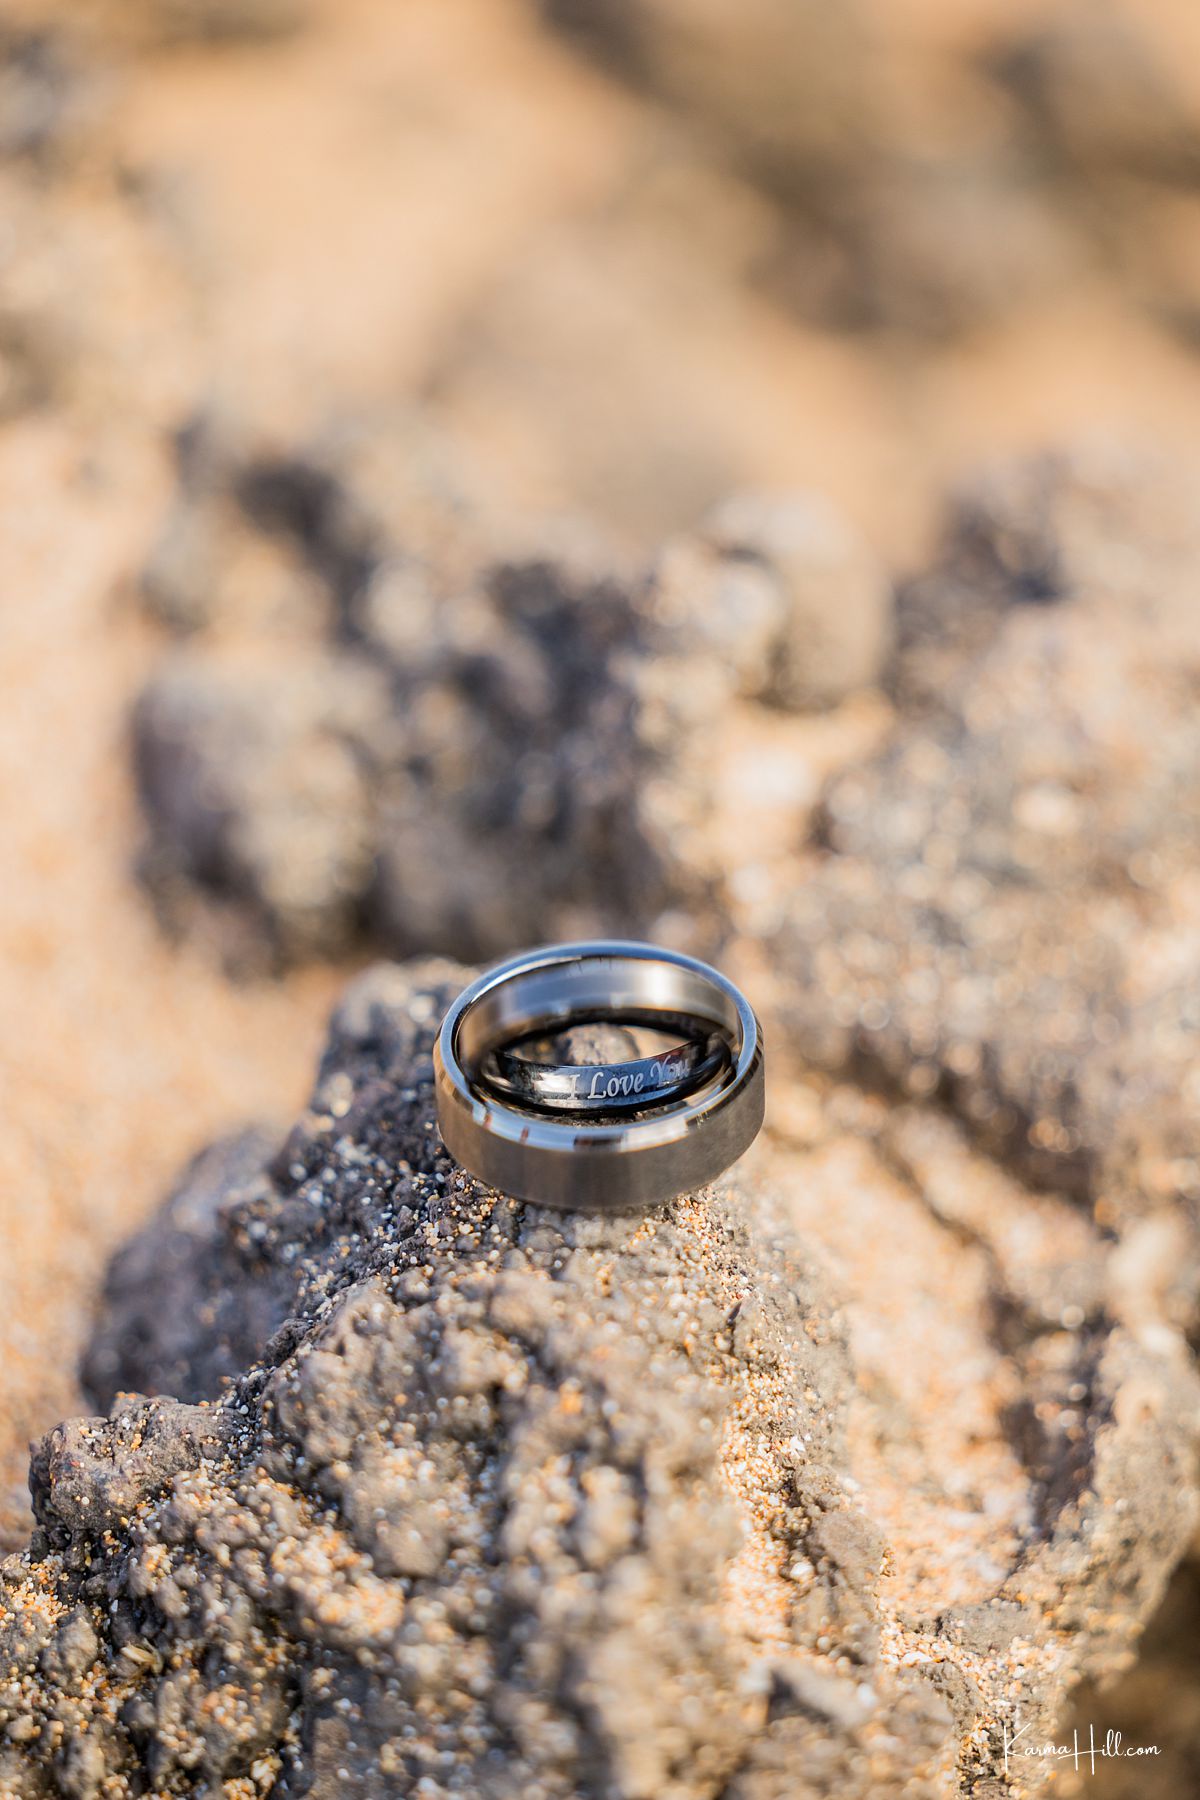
point(610, 1159)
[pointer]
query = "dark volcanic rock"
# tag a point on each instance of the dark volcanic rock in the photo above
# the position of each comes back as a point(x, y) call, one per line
point(147, 1339)
point(395, 727)
point(497, 1501)
point(87, 1478)
point(259, 773)
point(468, 1522)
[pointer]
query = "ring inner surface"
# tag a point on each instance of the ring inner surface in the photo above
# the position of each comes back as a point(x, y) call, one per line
point(655, 1034)
point(609, 990)
point(681, 1060)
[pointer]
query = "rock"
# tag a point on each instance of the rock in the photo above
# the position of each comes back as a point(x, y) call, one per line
point(41, 335)
point(87, 1479)
point(187, 563)
point(144, 1339)
point(452, 735)
point(218, 21)
point(778, 86)
point(72, 1651)
point(524, 726)
point(502, 1501)
point(884, 226)
point(1155, 1702)
point(925, 246)
point(486, 1487)
point(44, 97)
point(257, 777)
point(1100, 97)
point(928, 181)
point(836, 622)
point(1102, 520)
point(1003, 910)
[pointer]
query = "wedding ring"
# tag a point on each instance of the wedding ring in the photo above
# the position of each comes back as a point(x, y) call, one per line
point(608, 1159)
point(605, 1087)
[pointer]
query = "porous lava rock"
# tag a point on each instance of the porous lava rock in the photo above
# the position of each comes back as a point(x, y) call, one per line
point(460, 1496)
point(1002, 906)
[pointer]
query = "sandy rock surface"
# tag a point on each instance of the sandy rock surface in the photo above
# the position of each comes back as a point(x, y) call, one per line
point(460, 1492)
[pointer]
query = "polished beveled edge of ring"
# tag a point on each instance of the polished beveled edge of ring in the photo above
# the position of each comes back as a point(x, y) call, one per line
point(612, 1164)
point(605, 1087)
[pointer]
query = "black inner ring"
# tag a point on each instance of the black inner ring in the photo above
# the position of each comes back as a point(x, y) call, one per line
point(685, 1029)
point(514, 1076)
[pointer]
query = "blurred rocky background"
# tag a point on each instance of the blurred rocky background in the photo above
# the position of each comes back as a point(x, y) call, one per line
point(473, 472)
